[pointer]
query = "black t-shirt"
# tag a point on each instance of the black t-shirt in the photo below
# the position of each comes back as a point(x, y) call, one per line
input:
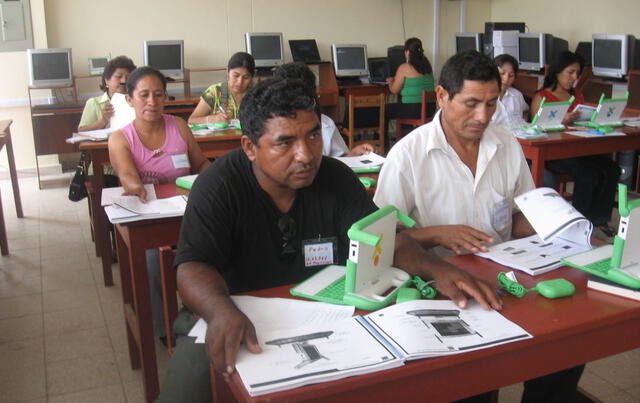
point(231, 223)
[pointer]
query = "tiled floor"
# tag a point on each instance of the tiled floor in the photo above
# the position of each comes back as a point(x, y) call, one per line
point(62, 336)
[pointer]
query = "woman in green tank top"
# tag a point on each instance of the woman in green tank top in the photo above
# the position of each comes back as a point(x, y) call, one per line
point(411, 78)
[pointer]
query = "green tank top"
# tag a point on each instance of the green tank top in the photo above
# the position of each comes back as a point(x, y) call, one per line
point(411, 92)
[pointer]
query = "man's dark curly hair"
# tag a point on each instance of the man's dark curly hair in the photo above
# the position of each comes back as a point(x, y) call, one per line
point(273, 98)
point(468, 65)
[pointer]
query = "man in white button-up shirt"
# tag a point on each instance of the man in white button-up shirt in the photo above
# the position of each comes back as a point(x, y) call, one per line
point(457, 177)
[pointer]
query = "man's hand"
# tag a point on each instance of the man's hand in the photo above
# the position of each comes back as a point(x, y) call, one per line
point(361, 149)
point(457, 284)
point(460, 237)
point(225, 332)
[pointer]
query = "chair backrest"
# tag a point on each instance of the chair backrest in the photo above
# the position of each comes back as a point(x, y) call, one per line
point(426, 97)
point(366, 101)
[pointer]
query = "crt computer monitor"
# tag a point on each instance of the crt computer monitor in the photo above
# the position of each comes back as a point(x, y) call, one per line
point(350, 60)
point(468, 41)
point(532, 51)
point(166, 56)
point(305, 51)
point(610, 54)
point(265, 47)
point(50, 67)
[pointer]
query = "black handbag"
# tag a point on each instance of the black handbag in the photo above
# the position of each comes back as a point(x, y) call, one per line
point(77, 189)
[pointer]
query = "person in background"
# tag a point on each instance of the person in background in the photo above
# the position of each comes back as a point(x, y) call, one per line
point(511, 108)
point(221, 102)
point(412, 77)
point(595, 176)
point(155, 148)
point(98, 111)
point(457, 177)
point(333, 143)
point(247, 220)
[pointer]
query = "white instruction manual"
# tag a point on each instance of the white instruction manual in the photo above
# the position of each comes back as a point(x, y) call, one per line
point(561, 230)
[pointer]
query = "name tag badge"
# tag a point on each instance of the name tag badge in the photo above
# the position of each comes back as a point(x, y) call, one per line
point(319, 251)
point(180, 161)
point(501, 214)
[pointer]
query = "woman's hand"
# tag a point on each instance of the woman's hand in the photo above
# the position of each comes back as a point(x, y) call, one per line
point(107, 113)
point(136, 189)
point(218, 117)
point(570, 117)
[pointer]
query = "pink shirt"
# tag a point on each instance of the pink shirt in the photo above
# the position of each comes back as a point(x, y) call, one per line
point(165, 164)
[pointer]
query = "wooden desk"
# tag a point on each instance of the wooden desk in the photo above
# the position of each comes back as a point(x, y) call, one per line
point(132, 240)
point(5, 140)
point(212, 146)
point(587, 326)
point(561, 145)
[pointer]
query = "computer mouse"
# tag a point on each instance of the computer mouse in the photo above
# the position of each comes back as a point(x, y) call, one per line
point(220, 125)
point(407, 294)
point(367, 181)
point(556, 288)
point(172, 98)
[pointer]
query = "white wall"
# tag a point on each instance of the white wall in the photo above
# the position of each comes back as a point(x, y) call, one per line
point(213, 30)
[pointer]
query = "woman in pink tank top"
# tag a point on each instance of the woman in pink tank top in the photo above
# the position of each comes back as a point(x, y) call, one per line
point(154, 148)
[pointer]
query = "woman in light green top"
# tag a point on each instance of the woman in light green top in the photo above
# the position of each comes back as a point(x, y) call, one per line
point(98, 111)
point(221, 101)
point(412, 77)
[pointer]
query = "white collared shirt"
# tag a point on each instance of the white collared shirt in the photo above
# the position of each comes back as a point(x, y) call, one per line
point(510, 108)
point(333, 144)
point(424, 177)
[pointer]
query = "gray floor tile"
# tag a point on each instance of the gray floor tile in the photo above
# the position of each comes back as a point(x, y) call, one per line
point(22, 383)
point(78, 344)
point(22, 353)
point(107, 394)
point(73, 319)
point(80, 374)
point(15, 307)
point(24, 327)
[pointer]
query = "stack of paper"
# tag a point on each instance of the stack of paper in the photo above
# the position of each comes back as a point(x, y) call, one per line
point(364, 163)
point(121, 209)
point(561, 231)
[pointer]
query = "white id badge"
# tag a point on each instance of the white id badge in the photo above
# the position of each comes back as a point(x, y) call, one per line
point(501, 215)
point(180, 161)
point(319, 252)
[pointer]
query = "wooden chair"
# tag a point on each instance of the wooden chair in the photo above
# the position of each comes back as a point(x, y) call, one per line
point(561, 185)
point(426, 97)
point(169, 293)
point(633, 86)
point(367, 101)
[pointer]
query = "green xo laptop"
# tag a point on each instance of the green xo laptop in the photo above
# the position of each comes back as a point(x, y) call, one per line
point(619, 262)
point(607, 115)
point(550, 115)
point(368, 281)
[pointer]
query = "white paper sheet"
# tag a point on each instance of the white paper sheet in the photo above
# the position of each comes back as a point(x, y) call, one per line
point(124, 114)
point(108, 194)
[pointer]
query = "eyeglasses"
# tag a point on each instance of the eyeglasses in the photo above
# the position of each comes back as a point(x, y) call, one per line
point(287, 227)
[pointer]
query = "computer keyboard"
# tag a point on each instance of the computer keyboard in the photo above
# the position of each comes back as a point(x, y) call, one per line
point(601, 266)
point(334, 290)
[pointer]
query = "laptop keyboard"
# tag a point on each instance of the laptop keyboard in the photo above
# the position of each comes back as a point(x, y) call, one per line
point(602, 266)
point(334, 290)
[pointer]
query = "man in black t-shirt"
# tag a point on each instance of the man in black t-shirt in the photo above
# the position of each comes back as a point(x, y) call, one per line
point(249, 220)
